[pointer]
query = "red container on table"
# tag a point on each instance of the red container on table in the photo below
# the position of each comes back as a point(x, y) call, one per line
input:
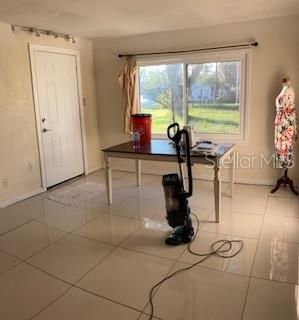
point(142, 122)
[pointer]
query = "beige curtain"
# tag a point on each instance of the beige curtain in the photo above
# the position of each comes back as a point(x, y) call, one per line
point(129, 85)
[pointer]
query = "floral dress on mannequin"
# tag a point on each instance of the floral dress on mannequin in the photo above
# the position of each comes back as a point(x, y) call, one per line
point(285, 127)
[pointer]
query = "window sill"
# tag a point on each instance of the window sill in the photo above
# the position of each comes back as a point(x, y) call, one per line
point(214, 138)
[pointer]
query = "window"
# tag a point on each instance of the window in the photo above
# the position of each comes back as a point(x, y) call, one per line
point(161, 94)
point(206, 91)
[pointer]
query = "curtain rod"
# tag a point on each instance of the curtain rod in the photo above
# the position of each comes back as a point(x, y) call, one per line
point(245, 45)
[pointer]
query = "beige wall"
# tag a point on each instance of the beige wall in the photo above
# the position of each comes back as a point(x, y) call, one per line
point(18, 137)
point(276, 57)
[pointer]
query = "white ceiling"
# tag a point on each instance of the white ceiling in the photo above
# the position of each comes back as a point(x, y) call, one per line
point(113, 18)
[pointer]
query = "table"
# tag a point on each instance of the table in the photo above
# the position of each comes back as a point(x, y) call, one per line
point(164, 150)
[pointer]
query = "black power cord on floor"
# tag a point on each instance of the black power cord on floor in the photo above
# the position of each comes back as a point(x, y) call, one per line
point(219, 248)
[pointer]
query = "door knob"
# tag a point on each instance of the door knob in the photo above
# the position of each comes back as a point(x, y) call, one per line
point(46, 130)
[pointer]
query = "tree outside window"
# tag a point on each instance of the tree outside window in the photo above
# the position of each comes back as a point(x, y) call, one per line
point(212, 95)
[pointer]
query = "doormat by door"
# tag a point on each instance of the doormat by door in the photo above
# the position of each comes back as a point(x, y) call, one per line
point(76, 192)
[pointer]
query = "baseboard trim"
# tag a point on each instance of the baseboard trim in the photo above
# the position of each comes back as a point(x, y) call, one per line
point(262, 182)
point(258, 182)
point(93, 169)
point(6, 203)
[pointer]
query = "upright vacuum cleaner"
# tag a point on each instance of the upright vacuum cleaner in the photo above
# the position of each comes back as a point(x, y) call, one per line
point(176, 198)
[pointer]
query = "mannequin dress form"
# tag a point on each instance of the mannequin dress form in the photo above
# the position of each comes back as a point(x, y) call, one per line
point(285, 133)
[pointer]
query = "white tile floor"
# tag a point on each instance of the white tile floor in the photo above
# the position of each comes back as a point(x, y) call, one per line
point(80, 259)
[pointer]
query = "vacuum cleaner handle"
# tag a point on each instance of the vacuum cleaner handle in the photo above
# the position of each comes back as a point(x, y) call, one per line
point(173, 132)
point(188, 162)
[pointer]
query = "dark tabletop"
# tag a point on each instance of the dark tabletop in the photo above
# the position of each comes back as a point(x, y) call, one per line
point(163, 148)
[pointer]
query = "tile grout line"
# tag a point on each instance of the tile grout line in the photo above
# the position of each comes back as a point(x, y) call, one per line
point(74, 285)
point(276, 281)
point(15, 228)
point(12, 256)
point(172, 268)
point(123, 248)
point(119, 246)
point(167, 274)
point(106, 211)
point(51, 303)
point(106, 298)
point(22, 260)
point(212, 268)
point(253, 263)
point(39, 251)
point(142, 223)
point(72, 231)
point(232, 234)
point(178, 261)
point(156, 291)
point(50, 244)
point(67, 233)
point(116, 247)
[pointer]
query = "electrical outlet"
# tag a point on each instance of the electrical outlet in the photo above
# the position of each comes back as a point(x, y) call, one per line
point(30, 167)
point(5, 182)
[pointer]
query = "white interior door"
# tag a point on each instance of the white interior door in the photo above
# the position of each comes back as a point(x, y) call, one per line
point(59, 112)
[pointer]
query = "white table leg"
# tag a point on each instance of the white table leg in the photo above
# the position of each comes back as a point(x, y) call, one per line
point(217, 191)
point(108, 176)
point(138, 172)
point(232, 174)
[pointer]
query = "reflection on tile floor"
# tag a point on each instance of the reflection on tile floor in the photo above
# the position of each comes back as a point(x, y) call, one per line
point(70, 257)
point(201, 294)
point(271, 300)
point(241, 264)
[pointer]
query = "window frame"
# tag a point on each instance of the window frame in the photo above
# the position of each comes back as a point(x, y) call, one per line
point(242, 55)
